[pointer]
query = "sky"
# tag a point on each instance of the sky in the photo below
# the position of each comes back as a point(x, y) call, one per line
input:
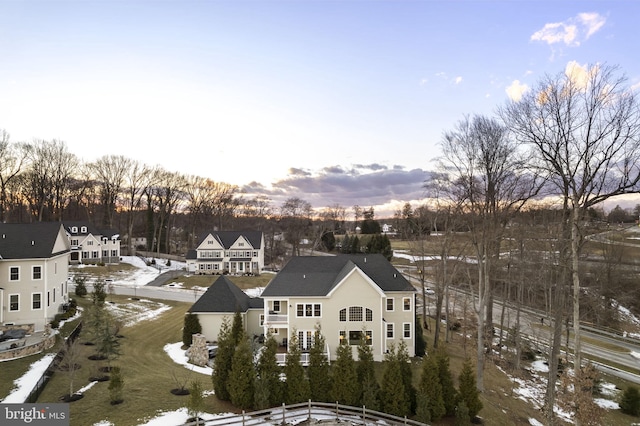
point(334, 102)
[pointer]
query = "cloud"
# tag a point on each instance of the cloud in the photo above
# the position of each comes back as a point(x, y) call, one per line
point(373, 185)
point(458, 80)
point(298, 172)
point(571, 32)
point(515, 90)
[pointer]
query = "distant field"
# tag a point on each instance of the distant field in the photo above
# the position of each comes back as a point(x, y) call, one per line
point(243, 282)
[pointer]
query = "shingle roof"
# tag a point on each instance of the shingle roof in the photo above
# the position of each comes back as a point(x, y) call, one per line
point(318, 275)
point(225, 296)
point(28, 240)
point(227, 238)
point(91, 229)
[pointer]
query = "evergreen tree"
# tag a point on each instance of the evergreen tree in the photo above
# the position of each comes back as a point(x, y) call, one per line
point(296, 385)
point(344, 387)
point(81, 288)
point(630, 401)
point(319, 369)
point(195, 403)
point(467, 390)
point(269, 387)
point(107, 342)
point(346, 245)
point(223, 361)
point(116, 386)
point(431, 390)
point(237, 329)
point(462, 415)
point(393, 396)
point(242, 376)
point(369, 389)
point(407, 375)
point(98, 295)
point(421, 343)
point(449, 394)
point(355, 245)
point(328, 241)
point(423, 413)
point(191, 326)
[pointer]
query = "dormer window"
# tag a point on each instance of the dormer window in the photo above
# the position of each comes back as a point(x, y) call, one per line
point(74, 229)
point(83, 229)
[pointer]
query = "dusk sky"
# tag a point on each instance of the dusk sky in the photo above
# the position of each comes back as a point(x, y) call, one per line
point(331, 101)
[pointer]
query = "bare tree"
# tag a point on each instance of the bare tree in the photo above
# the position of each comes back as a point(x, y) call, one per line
point(110, 172)
point(584, 128)
point(12, 160)
point(51, 167)
point(487, 172)
point(137, 178)
point(295, 217)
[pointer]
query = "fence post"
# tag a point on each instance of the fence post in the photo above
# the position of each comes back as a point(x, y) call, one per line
point(337, 412)
point(242, 417)
point(364, 415)
point(309, 408)
point(283, 418)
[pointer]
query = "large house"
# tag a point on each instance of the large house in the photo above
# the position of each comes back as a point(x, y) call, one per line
point(350, 297)
point(233, 252)
point(92, 245)
point(34, 268)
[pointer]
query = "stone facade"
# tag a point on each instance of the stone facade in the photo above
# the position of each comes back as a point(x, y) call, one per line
point(198, 353)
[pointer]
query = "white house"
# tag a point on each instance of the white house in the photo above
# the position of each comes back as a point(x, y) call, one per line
point(350, 297)
point(34, 268)
point(92, 245)
point(234, 252)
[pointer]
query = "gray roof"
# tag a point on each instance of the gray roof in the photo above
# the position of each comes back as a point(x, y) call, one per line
point(91, 229)
point(29, 240)
point(225, 296)
point(318, 275)
point(227, 238)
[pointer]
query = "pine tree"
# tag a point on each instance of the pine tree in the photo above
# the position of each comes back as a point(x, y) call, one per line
point(223, 360)
point(421, 343)
point(296, 385)
point(269, 388)
point(81, 288)
point(195, 403)
point(116, 385)
point(630, 401)
point(449, 393)
point(394, 399)
point(242, 376)
point(407, 375)
point(369, 389)
point(344, 387)
point(191, 326)
point(431, 390)
point(468, 391)
point(319, 369)
point(346, 245)
point(237, 329)
point(355, 245)
point(423, 412)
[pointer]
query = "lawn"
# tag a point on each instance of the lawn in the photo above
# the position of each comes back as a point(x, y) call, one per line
point(242, 281)
point(149, 374)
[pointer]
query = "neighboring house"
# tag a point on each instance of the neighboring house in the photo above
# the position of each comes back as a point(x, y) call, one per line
point(34, 268)
point(92, 245)
point(351, 297)
point(222, 299)
point(233, 252)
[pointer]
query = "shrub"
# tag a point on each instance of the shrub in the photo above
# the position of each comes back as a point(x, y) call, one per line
point(191, 327)
point(81, 288)
point(630, 401)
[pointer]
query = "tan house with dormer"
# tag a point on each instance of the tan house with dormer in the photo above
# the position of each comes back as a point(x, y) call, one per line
point(228, 252)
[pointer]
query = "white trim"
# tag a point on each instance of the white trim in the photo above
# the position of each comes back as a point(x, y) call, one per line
point(393, 331)
point(404, 324)
point(357, 270)
point(41, 301)
point(9, 299)
point(386, 304)
point(33, 268)
point(19, 273)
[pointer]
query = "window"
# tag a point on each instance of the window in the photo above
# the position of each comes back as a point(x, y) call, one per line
point(355, 313)
point(343, 314)
point(369, 336)
point(354, 337)
point(36, 300)
point(209, 241)
point(74, 229)
point(369, 316)
point(89, 243)
point(94, 254)
point(83, 229)
point(14, 302)
point(241, 244)
point(114, 253)
point(390, 304)
point(308, 309)
point(276, 306)
point(389, 330)
point(37, 272)
point(406, 330)
point(74, 242)
point(261, 320)
point(105, 253)
point(14, 273)
point(406, 303)
point(343, 338)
